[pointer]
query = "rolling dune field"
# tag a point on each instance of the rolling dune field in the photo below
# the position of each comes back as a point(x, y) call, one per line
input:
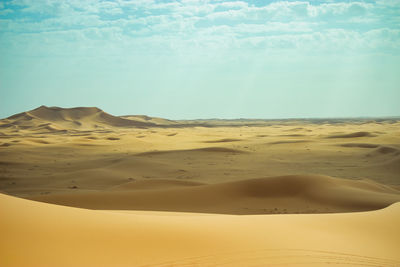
point(81, 187)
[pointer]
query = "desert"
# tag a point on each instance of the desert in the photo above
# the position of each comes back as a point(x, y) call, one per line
point(199, 133)
point(82, 187)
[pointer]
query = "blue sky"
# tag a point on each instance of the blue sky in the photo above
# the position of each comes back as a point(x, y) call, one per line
point(202, 59)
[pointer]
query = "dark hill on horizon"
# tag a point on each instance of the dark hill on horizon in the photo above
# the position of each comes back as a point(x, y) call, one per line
point(62, 119)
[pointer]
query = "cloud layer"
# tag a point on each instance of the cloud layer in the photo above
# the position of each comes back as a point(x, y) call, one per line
point(368, 26)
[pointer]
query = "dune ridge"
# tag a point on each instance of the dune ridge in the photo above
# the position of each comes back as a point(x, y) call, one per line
point(154, 184)
point(56, 119)
point(352, 135)
point(360, 145)
point(203, 149)
point(282, 194)
point(153, 120)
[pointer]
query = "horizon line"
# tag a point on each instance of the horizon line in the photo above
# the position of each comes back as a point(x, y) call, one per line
point(397, 117)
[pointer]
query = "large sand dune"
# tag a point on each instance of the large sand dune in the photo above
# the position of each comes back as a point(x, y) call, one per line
point(57, 119)
point(282, 194)
point(36, 234)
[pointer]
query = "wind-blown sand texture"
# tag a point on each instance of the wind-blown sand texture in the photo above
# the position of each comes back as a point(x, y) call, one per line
point(36, 234)
point(168, 193)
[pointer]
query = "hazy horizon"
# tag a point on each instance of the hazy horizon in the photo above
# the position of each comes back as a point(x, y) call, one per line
point(228, 118)
point(202, 59)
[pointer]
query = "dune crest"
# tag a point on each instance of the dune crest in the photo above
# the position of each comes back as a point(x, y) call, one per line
point(352, 135)
point(154, 184)
point(204, 149)
point(56, 119)
point(360, 145)
point(282, 194)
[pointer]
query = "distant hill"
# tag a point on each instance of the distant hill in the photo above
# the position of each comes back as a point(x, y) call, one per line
point(62, 119)
point(147, 119)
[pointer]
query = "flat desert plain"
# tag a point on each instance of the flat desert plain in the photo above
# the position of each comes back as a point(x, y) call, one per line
point(81, 187)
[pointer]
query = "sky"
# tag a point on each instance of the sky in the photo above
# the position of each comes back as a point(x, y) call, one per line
point(193, 59)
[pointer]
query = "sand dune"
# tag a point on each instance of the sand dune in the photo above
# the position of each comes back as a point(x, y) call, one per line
point(352, 135)
point(59, 119)
point(59, 114)
point(205, 149)
point(283, 194)
point(147, 119)
point(154, 184)
point(383, 150)
point(392, 164)
point(37, 234)
point(224, 140)
point(360, 145)
point(288, 142)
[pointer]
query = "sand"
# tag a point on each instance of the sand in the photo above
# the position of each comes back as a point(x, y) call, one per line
point(281, 194)
point(37, 234)
point(155, 192)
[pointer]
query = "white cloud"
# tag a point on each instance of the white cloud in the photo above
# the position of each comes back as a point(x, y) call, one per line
point(229, 14)
point(277, 27)
point(109, 8)
point(235, 4)
point(388, 3)
point(352, 9)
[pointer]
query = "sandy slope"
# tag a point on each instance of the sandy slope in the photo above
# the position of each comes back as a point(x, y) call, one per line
point(281, 194)
point(36, 234)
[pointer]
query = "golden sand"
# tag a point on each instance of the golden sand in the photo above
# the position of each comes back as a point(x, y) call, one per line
point(154, 192)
